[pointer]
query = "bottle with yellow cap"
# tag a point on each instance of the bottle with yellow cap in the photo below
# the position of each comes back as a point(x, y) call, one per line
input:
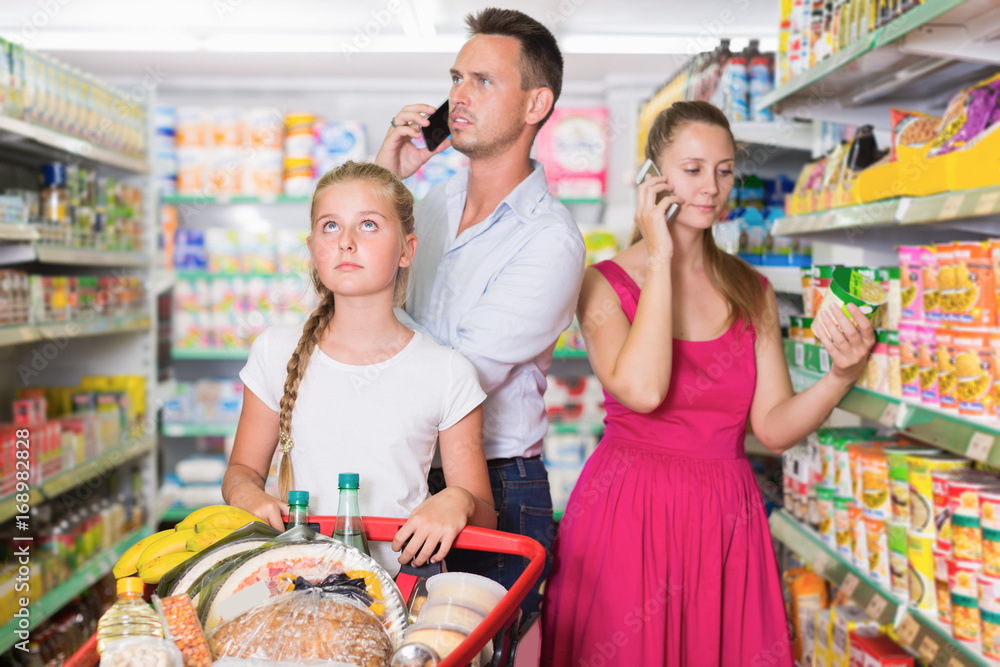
point(130, 616)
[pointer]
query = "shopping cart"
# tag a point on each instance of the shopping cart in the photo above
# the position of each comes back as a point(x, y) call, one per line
point(516, 644)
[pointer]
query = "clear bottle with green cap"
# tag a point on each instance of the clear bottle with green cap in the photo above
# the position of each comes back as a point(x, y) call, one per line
point(298, 508)
point(348, 528)
point(130, 616)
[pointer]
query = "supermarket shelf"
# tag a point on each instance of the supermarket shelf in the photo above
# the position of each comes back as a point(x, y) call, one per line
point(18, 135)
point(51, 254)
point(222, 200)
point(84, 578)
point(916, 631)
point(963, 436)
point(18, 334)
point(965, 204)
point(572, 428)
point(210, 353)
point(192, 275)
point(833, 75)
point(581, 201)
point(791, 135)
point(784, 279)
point(175, 514)
point(11, 231)
point(95, 468)
point(197, 430)
point(569, 354)
point(64, 481)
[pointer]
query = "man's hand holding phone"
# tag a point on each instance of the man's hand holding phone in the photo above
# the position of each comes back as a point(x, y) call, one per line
point(398, 153)
point(655, 206)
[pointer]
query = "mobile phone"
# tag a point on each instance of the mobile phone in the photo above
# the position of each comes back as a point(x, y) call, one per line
point(649, 167)
point(437, 131)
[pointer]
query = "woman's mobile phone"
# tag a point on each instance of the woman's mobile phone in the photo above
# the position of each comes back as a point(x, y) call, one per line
point(437, 131)
point(649, 167)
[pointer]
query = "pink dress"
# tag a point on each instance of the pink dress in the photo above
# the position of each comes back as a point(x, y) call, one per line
point(664, 556)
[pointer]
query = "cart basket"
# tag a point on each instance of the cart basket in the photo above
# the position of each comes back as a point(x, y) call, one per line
point(380, 529)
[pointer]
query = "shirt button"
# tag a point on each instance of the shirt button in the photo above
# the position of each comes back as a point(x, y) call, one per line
point(447, 262)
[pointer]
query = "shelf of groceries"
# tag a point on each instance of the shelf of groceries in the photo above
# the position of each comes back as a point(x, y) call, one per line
point(916, 630)
point(33, 138)
point(95, 326)
point(857, 34)
point(965, 436)
point(51, 487)
point(83, 578)
point(967, 204)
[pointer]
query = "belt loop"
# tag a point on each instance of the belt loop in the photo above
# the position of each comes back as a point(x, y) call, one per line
point(520, 466)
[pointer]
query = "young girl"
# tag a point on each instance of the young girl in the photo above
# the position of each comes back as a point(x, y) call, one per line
point(664, 556)
point(353, 390)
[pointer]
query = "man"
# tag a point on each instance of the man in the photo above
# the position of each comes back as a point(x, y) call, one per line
point(499, 261)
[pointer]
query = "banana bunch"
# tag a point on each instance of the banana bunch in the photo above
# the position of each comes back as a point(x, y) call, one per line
point(161, 552)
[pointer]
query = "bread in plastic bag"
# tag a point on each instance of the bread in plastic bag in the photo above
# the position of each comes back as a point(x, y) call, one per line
point(305, 625)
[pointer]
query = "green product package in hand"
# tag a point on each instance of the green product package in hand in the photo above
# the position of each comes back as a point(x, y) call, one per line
point(850, 286)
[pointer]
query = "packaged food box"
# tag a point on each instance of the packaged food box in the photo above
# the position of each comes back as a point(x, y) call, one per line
point(964, 503)
point(888, 278)
point(859, 538)
point(842, 525)
point(872, 649)
point(898, 560)
point(875, 484)
point(946, 281)
point(922, 487)
point(909, 361)
point(974, 297)
point(849, 286)
point(941, 585)
point(847, 619)
point(899, 478)
point(947, 380)
point(920, 552)
point(877, 371)
point(824, 506)
point(895, 368)
point(911, 293)
point(975, 373)
point(878, 550)
point(928, 366)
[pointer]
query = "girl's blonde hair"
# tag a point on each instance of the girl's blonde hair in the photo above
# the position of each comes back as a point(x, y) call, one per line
point(391, 191)
point(738, 283)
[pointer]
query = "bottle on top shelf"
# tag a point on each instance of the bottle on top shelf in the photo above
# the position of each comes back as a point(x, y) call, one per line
point(348, 527)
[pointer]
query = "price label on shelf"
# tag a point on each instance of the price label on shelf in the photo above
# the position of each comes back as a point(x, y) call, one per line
point(850, 584)
point(952, 205)
point(800, 354)
point(876, 607)
point(987, 203)
point(822, 560)
point(980, 446)
point(889, 415)
point(824, 360)
point(908, 630)
point(928, 648)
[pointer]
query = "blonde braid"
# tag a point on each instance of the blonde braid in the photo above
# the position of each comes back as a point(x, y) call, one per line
point(296, 369)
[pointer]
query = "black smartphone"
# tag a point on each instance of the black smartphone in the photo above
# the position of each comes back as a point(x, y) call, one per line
point(437, 131)
point(649, 167)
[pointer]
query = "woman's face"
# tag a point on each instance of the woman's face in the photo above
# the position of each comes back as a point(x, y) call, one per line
point(699, 166)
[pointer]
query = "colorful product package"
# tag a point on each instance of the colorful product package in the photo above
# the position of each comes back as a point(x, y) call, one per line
point(973, 300)
point(922, 488)
point(878, 550)
point(859, 538)
point(842, 525)
point(872, 649)
point(909, 360)
point(888, 278)
point(964, 503)
point(911, 128)
point(911, 292)
point(975, 374)
point(895, 365)
point(968, 113)
point(929, 278)
point(920, 552)
point(807, 593)
point(877, 371)
point(846, 620)
point(899, 478)
point(947, 379)
point(898, 560)
point(928, 365)
point(946, 280)
point(875, 484)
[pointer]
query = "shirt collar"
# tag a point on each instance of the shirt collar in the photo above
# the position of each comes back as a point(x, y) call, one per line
point(522, 200)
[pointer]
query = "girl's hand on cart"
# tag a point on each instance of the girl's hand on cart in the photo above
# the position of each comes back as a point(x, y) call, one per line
point(847, 345)
point(263, 506)
point(436, 521)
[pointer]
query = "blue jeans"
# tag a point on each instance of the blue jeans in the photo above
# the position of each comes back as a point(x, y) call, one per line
point(523, 505)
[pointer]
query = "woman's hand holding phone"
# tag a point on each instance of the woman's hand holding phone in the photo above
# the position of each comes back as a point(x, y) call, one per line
point(398, 153)
point(654, 198)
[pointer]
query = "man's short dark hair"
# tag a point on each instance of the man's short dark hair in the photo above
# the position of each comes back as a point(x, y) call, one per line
point(541, 62)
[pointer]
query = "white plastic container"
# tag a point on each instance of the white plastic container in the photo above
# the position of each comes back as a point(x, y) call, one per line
point(473, 588)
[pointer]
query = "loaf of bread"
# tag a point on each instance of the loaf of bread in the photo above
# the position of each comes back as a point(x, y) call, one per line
point(305, 625)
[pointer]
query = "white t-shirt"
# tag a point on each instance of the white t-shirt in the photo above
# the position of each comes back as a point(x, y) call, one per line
point(380, 421)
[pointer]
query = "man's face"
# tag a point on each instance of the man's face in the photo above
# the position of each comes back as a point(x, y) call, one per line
point(487, 104)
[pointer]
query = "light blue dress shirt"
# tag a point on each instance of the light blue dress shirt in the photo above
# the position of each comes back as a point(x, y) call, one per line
point(500, 293)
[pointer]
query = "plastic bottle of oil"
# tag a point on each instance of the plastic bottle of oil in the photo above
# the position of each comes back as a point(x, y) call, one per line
point(130, 616)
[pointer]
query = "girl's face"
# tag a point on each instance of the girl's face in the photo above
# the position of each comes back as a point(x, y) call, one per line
point(699, 166)
point(355, 241)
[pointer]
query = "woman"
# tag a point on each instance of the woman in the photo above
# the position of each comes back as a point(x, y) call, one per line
point(664, 555)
